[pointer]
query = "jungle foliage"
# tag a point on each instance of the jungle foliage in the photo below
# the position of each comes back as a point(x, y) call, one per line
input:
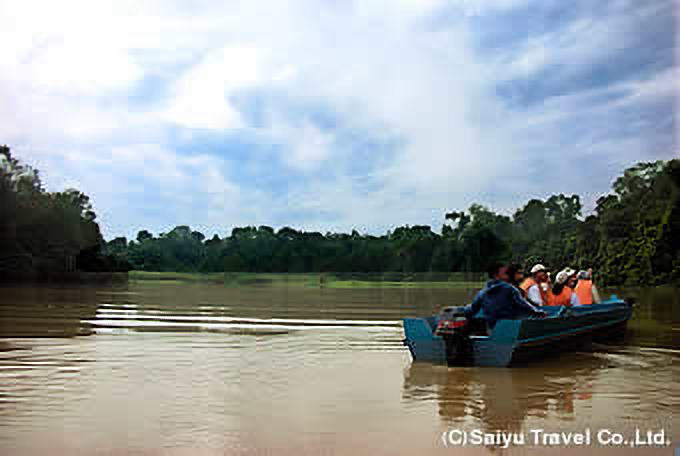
point(630, 239)
point(44, 232)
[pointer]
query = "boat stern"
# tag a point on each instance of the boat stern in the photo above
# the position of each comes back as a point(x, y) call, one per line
point(421, 340)
point(497, 349)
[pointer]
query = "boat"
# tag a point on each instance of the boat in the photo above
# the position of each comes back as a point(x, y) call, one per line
point(447, 337)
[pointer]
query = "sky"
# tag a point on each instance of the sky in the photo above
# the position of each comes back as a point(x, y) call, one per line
point(333, 115)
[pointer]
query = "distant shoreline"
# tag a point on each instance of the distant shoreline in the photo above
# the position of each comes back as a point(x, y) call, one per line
point(58, 278)
point(337, 280)
point(315, 280)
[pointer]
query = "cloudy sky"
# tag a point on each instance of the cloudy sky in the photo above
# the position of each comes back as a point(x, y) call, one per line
point(333, 114)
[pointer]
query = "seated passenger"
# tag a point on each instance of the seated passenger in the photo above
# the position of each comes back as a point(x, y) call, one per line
point(563, 290)
point(585, 290)
point(537, 289)
point(531, 280)
point(499, 300)
point(516, 277)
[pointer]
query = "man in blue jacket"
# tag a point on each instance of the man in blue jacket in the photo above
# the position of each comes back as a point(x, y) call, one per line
point(499, 300)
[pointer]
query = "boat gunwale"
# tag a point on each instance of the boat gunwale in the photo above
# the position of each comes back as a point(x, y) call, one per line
point(570, 333)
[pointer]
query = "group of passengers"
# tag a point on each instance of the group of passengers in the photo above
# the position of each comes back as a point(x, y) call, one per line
point(507, 295)
point(569, 289)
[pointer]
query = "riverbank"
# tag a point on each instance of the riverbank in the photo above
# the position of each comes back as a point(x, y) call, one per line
point(63, 278)
point(312, 280)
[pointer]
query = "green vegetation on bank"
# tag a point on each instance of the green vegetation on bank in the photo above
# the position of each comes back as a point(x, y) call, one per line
point(631, 239)
point(43, 232)
point(313, 280)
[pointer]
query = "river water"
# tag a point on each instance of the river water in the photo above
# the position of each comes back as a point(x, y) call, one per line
point(182, 368)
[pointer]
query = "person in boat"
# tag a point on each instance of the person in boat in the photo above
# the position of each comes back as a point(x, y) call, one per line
point(516, 277)
point(537, 286)
point(585, 289)
point(499, 300)
point(562, 293)
point(531, 280)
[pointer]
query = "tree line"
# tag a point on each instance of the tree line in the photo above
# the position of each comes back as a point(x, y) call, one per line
point(631, 238)
point(46, 232)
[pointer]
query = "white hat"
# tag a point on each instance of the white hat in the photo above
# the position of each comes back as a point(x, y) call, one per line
point(538, 268)
point(564, 275)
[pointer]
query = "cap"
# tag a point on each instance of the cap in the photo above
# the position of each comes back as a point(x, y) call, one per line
point(564, 275)
point(538, 268)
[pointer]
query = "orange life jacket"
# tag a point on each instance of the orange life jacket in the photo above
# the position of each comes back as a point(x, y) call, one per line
point(584, 291)
point(562, 299)
point(545, 295)
point(528, 283)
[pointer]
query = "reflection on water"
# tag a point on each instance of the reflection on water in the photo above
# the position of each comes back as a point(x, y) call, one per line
point(46, 312)
point(203, 366)
point(624, 386)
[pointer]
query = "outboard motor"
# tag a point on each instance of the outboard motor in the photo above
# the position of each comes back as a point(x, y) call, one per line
point(454, 329)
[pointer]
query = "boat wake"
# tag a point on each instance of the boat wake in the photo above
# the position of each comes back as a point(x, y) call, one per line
point(124, 320)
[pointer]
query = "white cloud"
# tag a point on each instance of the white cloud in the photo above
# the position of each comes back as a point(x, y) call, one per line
point(485, 7)
point(427, 98)
point(72, 46)
point(576, 45)
point(82, 65)
point(308, 145)
point(202, 95)
point(138, 186)
point(665, 84)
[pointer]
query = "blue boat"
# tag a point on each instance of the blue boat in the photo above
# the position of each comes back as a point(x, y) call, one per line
point(514, 341)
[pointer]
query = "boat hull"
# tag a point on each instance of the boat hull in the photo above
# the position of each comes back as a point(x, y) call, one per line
point(515, 341)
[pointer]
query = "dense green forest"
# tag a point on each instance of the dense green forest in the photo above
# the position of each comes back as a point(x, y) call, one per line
point(630, 239)
point(43, 232)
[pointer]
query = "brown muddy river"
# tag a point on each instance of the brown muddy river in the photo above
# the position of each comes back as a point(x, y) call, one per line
point(180, 368)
